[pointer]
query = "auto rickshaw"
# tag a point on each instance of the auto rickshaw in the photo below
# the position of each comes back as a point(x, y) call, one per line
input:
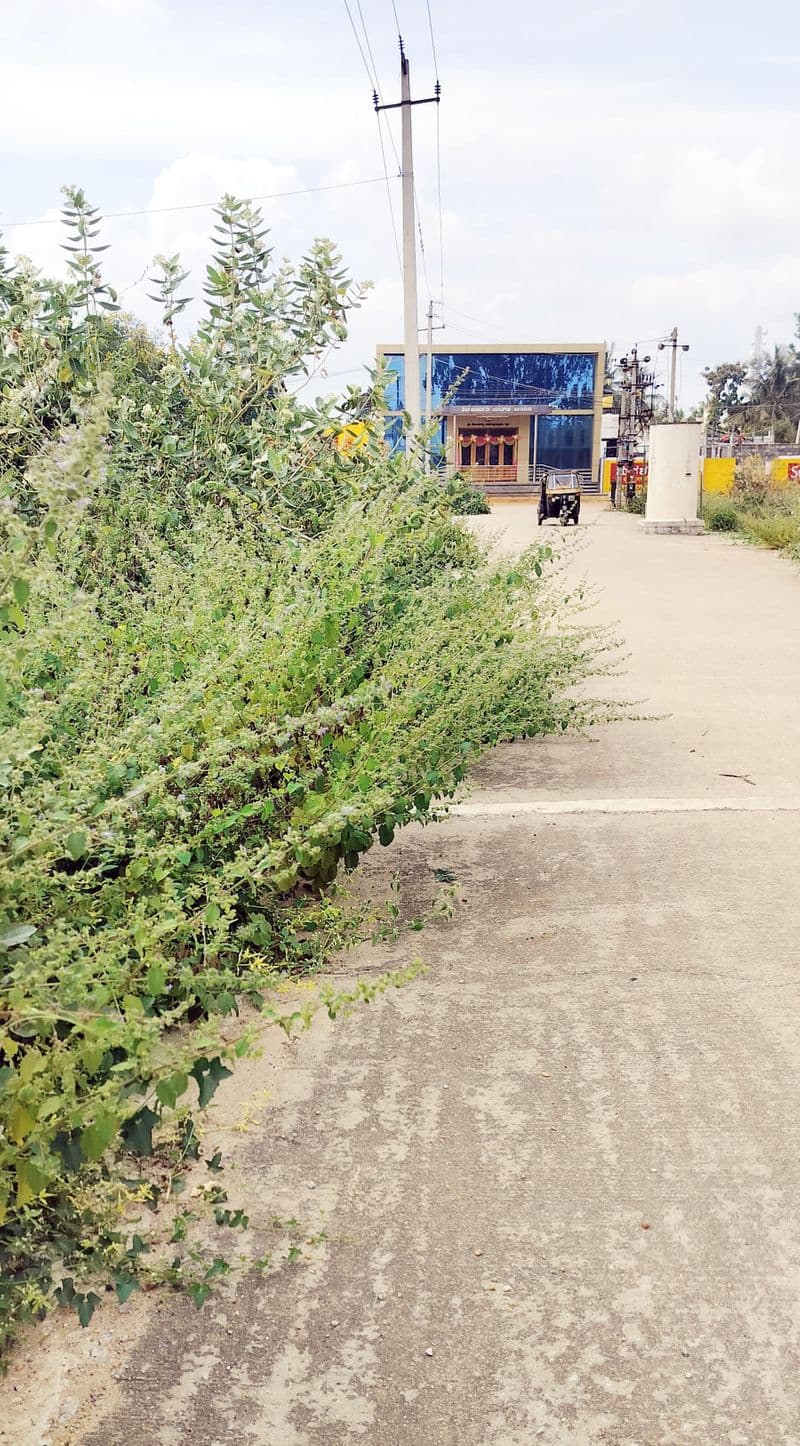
point(560, 498)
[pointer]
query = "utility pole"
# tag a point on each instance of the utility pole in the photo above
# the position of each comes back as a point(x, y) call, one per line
point(635, 412)
point(673, 368)
point(429, 377)
point(410, 316)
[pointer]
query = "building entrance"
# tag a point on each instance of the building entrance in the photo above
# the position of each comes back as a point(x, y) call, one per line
point(488, 454)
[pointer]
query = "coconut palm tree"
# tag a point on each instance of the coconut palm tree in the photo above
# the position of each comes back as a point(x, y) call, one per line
point(774, 393)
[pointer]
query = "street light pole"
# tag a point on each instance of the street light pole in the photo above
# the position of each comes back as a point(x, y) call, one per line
point(673, 369)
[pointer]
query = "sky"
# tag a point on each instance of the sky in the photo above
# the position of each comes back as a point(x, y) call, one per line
point(608, 171)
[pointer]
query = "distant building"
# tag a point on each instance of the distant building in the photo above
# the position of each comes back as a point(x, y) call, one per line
point(507, 412)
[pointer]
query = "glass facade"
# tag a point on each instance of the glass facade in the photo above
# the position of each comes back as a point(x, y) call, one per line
point(563, 442)
point(564, 380)
point(395, 383)
point(552, 391)
point(393, 432)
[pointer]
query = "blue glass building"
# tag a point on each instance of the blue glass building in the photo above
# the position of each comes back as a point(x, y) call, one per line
point(506, 413)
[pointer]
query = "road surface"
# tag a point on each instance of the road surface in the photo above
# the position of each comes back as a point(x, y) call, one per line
point(559, 1176)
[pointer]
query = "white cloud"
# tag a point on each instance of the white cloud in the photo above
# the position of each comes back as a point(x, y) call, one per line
point(732, 188)
point(579, 202)
point(723, 290)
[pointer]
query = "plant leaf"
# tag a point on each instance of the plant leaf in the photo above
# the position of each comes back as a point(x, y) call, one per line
point(209, 1074)
point(16, 934)
point(76, 844)
point(86, 1305)
point(137, 1132)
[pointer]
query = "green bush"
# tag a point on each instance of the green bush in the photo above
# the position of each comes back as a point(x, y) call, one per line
point(779, 530)
point(466, 500)
point(752, 484)
point(770, 516)
point(721, 517)
point(234, 655)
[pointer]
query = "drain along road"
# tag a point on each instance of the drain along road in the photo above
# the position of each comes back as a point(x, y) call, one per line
point(559, 1175)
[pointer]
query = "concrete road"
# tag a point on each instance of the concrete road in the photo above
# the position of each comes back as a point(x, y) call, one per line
point(559, 1176)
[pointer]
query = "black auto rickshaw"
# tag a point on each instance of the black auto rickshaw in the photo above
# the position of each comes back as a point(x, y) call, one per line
point(560, 498)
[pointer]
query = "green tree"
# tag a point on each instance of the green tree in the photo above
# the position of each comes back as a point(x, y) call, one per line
point(774, 393)
point(726, 394)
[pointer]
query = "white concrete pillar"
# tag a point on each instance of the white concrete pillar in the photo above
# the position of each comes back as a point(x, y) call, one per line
point(451, 445)
point(523, 447)
point(673, 478)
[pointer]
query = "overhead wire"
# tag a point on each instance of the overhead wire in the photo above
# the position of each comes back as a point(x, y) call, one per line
point(439, 202)
point(374, 80)
point(423, 257)
point(433, 42)
point(369, 47)
point(200, 205)
point(417, 207)
point(370, 73)
point(389, 193)
point(480, 321)
point(368, 58)
point(438, 157)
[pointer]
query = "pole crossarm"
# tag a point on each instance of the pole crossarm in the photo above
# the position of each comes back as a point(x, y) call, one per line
point(398, 104)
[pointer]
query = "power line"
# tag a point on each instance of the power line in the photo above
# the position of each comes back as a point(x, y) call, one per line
point(202, 205)
point(439, 198)
point(368, 58)
point(422, 246)
point(372, 76)
point(433, 42)
point(375, 82)
point(438, 156)
point(389, 193)
point(481, 321)
point(369, 47)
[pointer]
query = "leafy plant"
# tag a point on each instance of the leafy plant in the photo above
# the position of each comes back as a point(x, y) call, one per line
point(234, 657)
point(751, 480)
point(721, 517)
point(780, 530)
point(466, 500)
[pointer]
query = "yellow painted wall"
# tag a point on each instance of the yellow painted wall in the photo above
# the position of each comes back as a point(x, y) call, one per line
point(718, 473)
point(780, 468)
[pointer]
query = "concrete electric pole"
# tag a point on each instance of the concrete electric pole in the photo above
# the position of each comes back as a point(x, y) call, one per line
point(410, 314)
point(673, 368)
point(429, 380)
